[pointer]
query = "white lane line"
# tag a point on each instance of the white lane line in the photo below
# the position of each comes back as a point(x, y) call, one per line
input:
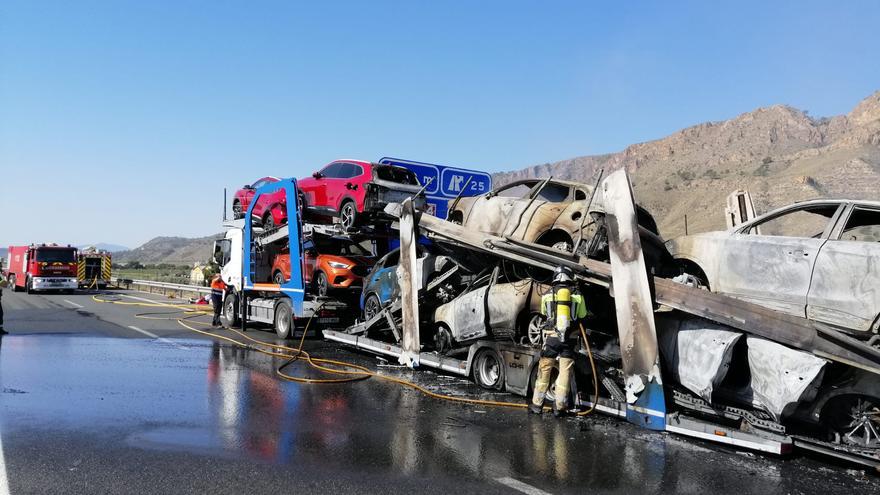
point(520, 486)
point(148, 334)
point(75, 305)
point(4, 480)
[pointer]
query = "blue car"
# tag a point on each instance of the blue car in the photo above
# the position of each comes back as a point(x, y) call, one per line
point(380, 285)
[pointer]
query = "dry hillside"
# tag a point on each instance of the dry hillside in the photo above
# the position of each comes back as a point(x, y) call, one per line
point(779, 153)
point(177, 250)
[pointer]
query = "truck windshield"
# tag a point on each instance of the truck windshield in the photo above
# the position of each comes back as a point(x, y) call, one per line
point(399, 175)
point(55, 255)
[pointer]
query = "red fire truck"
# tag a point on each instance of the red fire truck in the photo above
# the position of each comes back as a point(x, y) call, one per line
point(42, 267)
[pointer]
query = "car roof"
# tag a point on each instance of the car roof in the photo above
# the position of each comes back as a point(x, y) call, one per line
point(807, 202)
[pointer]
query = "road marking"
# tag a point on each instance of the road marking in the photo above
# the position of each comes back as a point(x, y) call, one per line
point(520, 486)
point(148, 334)
point(4, 480)
point(75, 305)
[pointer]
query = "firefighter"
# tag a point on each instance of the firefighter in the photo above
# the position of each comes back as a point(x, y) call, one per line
point(218, 289)
point(562, 305)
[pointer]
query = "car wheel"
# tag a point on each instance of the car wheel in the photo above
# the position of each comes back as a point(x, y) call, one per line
point(268, 221)
point(236, 210)
point(283, 319)
point(348, 215)
point(488, 369)
point(230, 310)
point(322, 285)
point(372, 307)
point(533, 328)
point(442, 339)
point(853, 420)
point(562, 246)
point(278, 278)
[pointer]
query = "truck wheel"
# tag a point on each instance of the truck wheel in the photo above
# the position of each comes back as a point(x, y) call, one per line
point(348, 215)
point(11, 281)
point(27, 286)
point(283, 319)
point(230, 310)
point(550, 396)
point(488, 369)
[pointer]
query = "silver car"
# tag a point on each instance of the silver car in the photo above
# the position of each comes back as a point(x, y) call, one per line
point(818, 259)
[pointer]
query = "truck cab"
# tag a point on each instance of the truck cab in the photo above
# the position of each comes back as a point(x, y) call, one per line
point(42, 267)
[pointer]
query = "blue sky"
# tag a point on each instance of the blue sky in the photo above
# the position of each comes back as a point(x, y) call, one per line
point(120, 121)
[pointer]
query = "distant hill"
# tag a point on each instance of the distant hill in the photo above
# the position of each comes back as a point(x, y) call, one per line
point(176, 250)
point(779, 153)
point(103, 246)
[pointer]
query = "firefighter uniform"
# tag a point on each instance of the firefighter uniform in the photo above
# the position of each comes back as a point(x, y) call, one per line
point(562, 306)
point(1, 312)
point(218, 288)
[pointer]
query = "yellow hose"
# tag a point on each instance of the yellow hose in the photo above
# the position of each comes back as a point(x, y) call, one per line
point(355, 372)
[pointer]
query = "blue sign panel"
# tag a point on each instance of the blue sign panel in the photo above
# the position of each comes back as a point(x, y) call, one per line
point(446, 183)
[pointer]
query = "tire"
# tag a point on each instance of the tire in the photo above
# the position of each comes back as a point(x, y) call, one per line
point(12, 281)
point(236, 210)
point(531, 328)
point(27, 286)
point(230, 310)
point(443, 340)
point(372, 306)
point(556, 240)
point(853, 420)
point(283, 319)
point(278, 278)
point(268, 221)
point(348, 214)
point(488, 369)
point(550, 396)
point(322, 285)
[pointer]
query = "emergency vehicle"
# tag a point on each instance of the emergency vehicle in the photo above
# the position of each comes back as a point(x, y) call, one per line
point(42, 267)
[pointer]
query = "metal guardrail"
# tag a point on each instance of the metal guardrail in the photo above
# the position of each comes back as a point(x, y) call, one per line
point(162, 287)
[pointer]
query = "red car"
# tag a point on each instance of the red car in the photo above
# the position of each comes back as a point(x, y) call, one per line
point(328, 263)
point(353, 189)
point(242, 199)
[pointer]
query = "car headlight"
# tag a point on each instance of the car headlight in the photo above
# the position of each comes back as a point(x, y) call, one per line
point(336, 264)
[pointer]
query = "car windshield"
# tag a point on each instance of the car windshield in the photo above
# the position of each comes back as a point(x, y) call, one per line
point(399, 175)
point(553, 193)
point(55, 255)
point(520, 190)
point(341, 247)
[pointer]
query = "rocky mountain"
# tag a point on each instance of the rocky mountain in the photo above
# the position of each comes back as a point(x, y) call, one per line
point(779, 153)
point(176, 250)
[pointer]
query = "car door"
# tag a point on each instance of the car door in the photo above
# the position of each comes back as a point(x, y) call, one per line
point(470, 314)
point(845, 292)
point(337, 186)
point(316, 191)
point(770, 261)
point(309, 261)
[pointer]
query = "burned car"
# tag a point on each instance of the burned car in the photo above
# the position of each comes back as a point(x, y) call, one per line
point(491, 305)
point(551, 213)
point(818, 259)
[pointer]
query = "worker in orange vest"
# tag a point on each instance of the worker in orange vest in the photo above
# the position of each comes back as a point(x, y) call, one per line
point(218, 289)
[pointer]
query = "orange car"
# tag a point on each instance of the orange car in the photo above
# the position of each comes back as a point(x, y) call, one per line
point(328, 263)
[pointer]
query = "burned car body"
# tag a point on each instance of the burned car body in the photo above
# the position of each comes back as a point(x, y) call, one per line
point(551, 213)
point(818, 259)
point(490, 306)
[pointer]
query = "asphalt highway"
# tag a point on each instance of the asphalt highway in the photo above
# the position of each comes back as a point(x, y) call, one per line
point(94, 399)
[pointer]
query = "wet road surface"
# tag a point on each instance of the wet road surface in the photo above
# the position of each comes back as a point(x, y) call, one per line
point(90, 405)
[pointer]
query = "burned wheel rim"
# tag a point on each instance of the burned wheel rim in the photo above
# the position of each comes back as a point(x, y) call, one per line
point(861, 423)
point(488, 371)
point(322, 285)
point(371, 306)
point(534, 329)
point(442, 340)
point(562, 246)
point(347, 215)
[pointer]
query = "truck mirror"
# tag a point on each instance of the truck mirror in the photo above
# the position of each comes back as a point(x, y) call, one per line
point(317, 175)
